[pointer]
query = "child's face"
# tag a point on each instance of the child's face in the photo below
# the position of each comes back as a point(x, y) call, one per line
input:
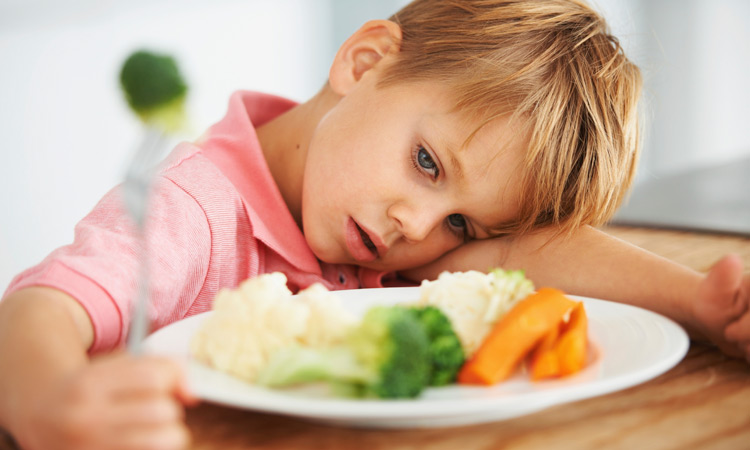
point(382, 185)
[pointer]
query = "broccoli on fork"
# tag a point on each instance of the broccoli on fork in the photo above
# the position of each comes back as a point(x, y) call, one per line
point(156, 92)
point(386, 356)
point(154, 89)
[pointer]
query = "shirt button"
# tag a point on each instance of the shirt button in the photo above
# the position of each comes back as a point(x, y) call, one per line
point(342, 278)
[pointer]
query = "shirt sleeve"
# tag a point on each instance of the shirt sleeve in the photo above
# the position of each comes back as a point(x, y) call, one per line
point(100, 268)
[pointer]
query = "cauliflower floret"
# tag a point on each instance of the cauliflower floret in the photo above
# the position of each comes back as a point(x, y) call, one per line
point(474, 301)
point(261, 316)
point(328, 322)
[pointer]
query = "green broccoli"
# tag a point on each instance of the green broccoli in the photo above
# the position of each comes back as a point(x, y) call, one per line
point(386, 356)
point(446, 353)
point(154, 89)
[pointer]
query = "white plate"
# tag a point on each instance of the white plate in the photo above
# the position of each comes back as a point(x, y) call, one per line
point(629, 346)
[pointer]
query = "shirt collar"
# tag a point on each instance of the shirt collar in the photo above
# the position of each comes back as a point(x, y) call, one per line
point(233, 146)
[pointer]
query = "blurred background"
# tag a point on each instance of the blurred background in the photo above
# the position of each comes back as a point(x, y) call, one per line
point(65, 133)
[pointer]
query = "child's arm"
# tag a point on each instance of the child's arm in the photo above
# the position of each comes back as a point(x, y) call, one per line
point(593, 263)
point(52, 397)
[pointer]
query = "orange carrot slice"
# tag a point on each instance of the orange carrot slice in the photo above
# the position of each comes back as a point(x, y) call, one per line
point(564, 353)
point(544, 362)
point(514, 336)
point(571, 349)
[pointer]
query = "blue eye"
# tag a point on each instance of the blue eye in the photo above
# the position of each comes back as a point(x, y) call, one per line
point(426, 162)
point(456, 224)
point(457, 221)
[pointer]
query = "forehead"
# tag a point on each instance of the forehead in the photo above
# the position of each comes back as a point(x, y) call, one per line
point(435, 105)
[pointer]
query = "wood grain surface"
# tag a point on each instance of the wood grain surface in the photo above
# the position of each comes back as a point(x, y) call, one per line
point(703, 402)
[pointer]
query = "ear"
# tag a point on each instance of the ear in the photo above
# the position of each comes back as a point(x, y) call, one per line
point(361, 52)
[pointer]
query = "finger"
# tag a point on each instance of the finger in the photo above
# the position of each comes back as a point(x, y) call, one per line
point(146, 375)
point(179, 383)
point(739, 330)
point(184, 394)
point(175, 437)
point(156, 411)
point(123, 376)
point(722, 287)
point(725, 274)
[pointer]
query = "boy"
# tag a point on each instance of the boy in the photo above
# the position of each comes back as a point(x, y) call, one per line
point(457, 135)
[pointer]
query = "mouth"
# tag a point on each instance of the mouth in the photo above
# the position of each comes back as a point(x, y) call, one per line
point(366, 240)
point(359, 242)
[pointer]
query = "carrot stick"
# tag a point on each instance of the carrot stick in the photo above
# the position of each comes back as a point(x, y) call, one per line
point(567, 354)
point(571, 349)
point(514, 336)
point(544, 361)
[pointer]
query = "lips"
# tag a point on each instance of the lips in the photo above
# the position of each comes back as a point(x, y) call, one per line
point(359, 242)
point(366, 239)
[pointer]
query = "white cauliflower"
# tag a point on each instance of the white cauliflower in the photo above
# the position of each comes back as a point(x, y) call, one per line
point(474, 301)
point(261, 316)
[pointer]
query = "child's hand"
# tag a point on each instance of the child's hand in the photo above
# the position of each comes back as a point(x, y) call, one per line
point(722, 308)
point(116, 402)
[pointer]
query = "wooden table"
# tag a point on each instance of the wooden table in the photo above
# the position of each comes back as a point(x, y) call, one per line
point(703, 402)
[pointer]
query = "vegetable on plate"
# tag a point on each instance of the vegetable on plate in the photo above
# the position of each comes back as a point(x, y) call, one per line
point(265, 335)
point(386, 356)
point(445, 349)
point(563, 351)
point(534, 322)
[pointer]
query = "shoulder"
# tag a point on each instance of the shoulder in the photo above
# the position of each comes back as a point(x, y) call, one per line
point(188, 169)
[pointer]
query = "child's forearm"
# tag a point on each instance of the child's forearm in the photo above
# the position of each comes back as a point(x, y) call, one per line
point(595, 264)
point(44, 335)
point(589, 263)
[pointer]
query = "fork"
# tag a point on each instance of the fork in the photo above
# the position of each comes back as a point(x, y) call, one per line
point(135, 190)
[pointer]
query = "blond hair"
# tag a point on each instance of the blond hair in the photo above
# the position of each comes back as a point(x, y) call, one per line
point(553, 63)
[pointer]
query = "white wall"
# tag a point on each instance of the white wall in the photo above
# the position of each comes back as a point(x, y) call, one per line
point(697, 72)
point(695, 59)
point(65, 133)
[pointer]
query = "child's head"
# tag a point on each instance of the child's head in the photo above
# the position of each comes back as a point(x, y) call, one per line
point(554, 66)
point(460, 120)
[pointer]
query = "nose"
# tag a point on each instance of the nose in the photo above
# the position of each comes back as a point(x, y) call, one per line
point(415, 223)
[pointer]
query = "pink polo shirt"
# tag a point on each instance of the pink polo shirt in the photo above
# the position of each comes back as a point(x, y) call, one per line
point(217, 218)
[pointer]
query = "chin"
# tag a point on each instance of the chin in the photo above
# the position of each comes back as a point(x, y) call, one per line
point(327, 255)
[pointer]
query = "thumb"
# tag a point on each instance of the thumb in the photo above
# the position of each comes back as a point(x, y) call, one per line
point(182, 390)
point(723, 279)
point(727, 272)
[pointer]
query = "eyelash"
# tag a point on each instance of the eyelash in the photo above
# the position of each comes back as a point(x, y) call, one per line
point(420, 168)
point(461, 233)
point(414, 158)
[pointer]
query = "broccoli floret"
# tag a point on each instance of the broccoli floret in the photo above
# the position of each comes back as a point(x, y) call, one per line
point(154, 89)
point(446, 353)
point(386, 356)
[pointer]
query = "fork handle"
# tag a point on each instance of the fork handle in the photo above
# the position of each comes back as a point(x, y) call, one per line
point(139, 324)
